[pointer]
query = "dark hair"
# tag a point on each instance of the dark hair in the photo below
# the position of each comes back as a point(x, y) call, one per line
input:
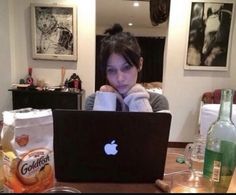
point(123, 43)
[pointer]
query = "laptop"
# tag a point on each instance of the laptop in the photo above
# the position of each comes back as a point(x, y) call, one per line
point(106, 146)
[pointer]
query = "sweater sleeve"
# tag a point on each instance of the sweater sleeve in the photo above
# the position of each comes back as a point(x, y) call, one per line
point(138, 99)
point(158, 102)
point(101, 101)
point(89, 102)
point(105, 101)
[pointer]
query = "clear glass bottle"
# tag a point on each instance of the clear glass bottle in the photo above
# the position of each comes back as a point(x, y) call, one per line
point(29, 78)
point(220, 153)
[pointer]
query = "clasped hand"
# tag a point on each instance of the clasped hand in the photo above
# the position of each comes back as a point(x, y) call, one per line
point(137, 98)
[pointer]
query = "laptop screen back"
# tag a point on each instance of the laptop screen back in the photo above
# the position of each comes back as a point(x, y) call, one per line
point(103, 146)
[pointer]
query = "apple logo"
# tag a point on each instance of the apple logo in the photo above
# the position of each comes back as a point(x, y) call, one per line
point(110, 148)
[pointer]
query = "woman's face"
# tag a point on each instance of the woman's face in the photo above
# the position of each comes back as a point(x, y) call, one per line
point(120, 74)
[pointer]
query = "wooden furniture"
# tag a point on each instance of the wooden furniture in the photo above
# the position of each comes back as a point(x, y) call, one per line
point(22, 98)
point(171, 167)
point(213, 97)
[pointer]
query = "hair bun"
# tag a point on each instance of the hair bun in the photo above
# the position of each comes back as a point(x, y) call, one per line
point(116, 28)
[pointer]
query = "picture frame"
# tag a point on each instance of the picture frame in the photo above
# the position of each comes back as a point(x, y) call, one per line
point(54, 31)
point(209, 35)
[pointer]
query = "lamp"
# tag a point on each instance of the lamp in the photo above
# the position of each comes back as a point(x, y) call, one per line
point(159, 11)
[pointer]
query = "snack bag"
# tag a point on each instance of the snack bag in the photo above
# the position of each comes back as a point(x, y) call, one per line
point(27, 143)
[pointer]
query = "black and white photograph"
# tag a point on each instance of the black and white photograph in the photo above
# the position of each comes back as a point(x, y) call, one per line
point(54, 32)
point(209, 36)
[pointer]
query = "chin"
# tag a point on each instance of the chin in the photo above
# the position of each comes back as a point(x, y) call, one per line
point(123, 90)
point(123, 93)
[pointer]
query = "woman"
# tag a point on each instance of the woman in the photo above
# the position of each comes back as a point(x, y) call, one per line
point(121, 63)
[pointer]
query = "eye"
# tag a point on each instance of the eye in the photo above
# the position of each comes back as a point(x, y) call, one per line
point(111, 71)
point(126, 68)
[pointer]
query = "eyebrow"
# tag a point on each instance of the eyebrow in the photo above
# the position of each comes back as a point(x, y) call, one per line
point(125, 63)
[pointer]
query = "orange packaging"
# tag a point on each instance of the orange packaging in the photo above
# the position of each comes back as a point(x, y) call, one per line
point(27, 144)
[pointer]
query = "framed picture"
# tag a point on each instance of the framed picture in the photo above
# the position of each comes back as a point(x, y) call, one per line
point(54, 35)
point(209, 35)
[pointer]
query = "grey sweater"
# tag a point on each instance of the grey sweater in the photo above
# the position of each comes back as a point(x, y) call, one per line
point(157, 101)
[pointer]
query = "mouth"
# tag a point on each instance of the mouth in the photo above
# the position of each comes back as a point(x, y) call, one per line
point(122, 89)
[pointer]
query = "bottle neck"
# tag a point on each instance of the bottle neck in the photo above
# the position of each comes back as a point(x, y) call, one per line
point(30, 71)
point(225, 112)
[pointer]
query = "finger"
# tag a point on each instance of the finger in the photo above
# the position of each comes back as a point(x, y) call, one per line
point(107, 88)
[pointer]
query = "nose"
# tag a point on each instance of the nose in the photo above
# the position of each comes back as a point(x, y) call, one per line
point(120, 76)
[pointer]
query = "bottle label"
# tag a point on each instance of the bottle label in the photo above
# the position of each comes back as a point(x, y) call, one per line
point(216, 171)
point(219, 166)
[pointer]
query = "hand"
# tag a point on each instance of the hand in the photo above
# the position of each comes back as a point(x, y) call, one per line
point(137, 88)
point(107, 88)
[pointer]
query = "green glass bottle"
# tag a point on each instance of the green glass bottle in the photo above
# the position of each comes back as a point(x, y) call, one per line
point(220, 152)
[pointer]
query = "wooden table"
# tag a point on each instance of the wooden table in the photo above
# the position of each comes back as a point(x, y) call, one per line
point(171, 167)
